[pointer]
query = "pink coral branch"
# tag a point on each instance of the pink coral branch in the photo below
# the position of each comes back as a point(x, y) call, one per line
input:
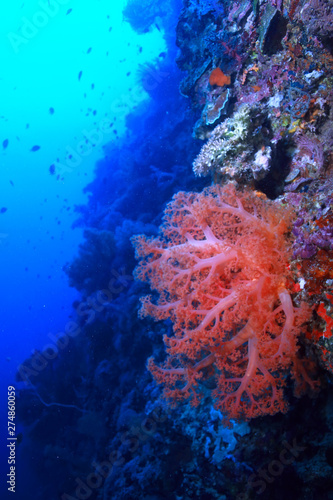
point(220, 273)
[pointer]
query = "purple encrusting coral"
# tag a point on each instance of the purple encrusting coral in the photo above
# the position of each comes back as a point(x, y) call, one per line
point(317, 15)
point(308, 239)
point(307, 244)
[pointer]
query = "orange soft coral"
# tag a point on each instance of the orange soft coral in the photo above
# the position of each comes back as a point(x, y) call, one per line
point(219, 270)
point(217, 77)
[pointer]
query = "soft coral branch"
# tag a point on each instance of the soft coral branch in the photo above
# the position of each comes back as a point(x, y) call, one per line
point(220, 271)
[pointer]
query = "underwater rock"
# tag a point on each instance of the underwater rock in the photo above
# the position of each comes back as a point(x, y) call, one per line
point(273, 28)
point(90, 271)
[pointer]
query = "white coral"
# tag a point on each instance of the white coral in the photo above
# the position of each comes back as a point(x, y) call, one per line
point(226, 140)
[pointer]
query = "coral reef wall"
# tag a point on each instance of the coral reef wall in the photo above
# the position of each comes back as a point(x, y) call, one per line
point(249, 108)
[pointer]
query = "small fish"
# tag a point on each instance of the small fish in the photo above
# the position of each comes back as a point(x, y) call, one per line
point(35, 148)
point(3, 210)
point(79, 76)
point(51, 111)
point(89, 50)
point(12, 183)
point(5, 143)
point(52, 169)
point(27, 125)
point(69, 11)
point(92, 86)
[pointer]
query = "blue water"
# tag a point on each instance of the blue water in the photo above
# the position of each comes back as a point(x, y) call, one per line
point(68, 80)
point(36, 234)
